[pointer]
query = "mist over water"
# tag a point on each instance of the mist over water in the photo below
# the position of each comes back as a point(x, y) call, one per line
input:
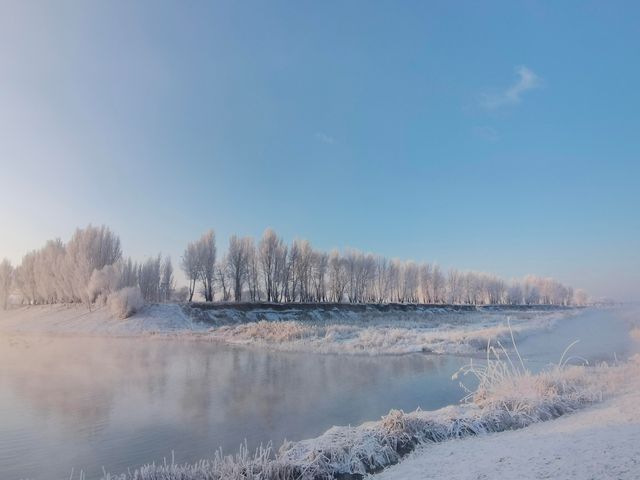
point(85, 403)
point(88, 403)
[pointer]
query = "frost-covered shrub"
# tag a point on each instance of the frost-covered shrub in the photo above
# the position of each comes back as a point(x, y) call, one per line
point(242, 466)
point(125, 302)
point(370, 333)
point(103, 283)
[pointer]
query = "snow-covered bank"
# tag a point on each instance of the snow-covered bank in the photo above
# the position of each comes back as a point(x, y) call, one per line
point(601, 442)
point(349, 329)
point(374, 332)
point(78, 320)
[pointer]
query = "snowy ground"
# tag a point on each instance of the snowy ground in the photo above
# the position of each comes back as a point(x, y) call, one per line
point(601, 442)
point(347, 331)
point(68, 320)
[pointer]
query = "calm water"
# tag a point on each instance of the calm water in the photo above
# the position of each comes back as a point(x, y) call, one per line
point(118, 403)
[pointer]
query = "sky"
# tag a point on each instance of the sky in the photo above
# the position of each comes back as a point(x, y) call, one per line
point(493, 136)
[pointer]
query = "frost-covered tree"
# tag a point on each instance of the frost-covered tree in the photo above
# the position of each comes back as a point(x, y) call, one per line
point(223, 275)
point(6, 279)
point(199, 263)
point(89, 268)
point(89, 249)
point(149, 278)
point(128, 273)
point(26, 280)
point(104, 282)
point(302, 270)
point(426, 283)
point(271, 256)
point(581, 298)
point(455, 284)
point(514, 294)
point(167, 282)
point(338, 277)
point(360, 270)
point(411, 282)
point(206, 250)
point(382, 284)
point(190, 264)
point(291, 272)
point(253, 272)
point(438, 283)
point(238, 263)
point(61, 272)
point(320, 265)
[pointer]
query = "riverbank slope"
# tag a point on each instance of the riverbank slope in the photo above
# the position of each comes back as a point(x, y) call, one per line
point(600, 442)
point(324, 328)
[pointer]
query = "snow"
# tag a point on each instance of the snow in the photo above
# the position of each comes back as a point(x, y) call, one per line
point(440, 331)
point(366, 330)
point(601, 442)
point(74, 319)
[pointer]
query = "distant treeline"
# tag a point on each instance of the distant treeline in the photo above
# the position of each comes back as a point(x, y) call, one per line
point(90, 268)
point(273, 271)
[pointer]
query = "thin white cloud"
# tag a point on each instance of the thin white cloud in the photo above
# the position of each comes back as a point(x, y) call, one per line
point(527, 80)
point(323, 137)
point(486, 133)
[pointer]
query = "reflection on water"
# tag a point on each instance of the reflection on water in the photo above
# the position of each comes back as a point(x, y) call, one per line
point(86, 403)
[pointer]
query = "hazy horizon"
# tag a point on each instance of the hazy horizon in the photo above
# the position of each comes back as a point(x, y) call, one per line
point(399, 129)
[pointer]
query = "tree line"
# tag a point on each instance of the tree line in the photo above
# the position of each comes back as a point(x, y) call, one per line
point(273, 271)
point(90, 268)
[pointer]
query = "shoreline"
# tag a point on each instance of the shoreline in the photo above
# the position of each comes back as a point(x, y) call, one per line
point(600, 441)
point(350, 330)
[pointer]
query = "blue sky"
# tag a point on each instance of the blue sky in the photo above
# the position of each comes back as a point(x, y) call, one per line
point(497, 136)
